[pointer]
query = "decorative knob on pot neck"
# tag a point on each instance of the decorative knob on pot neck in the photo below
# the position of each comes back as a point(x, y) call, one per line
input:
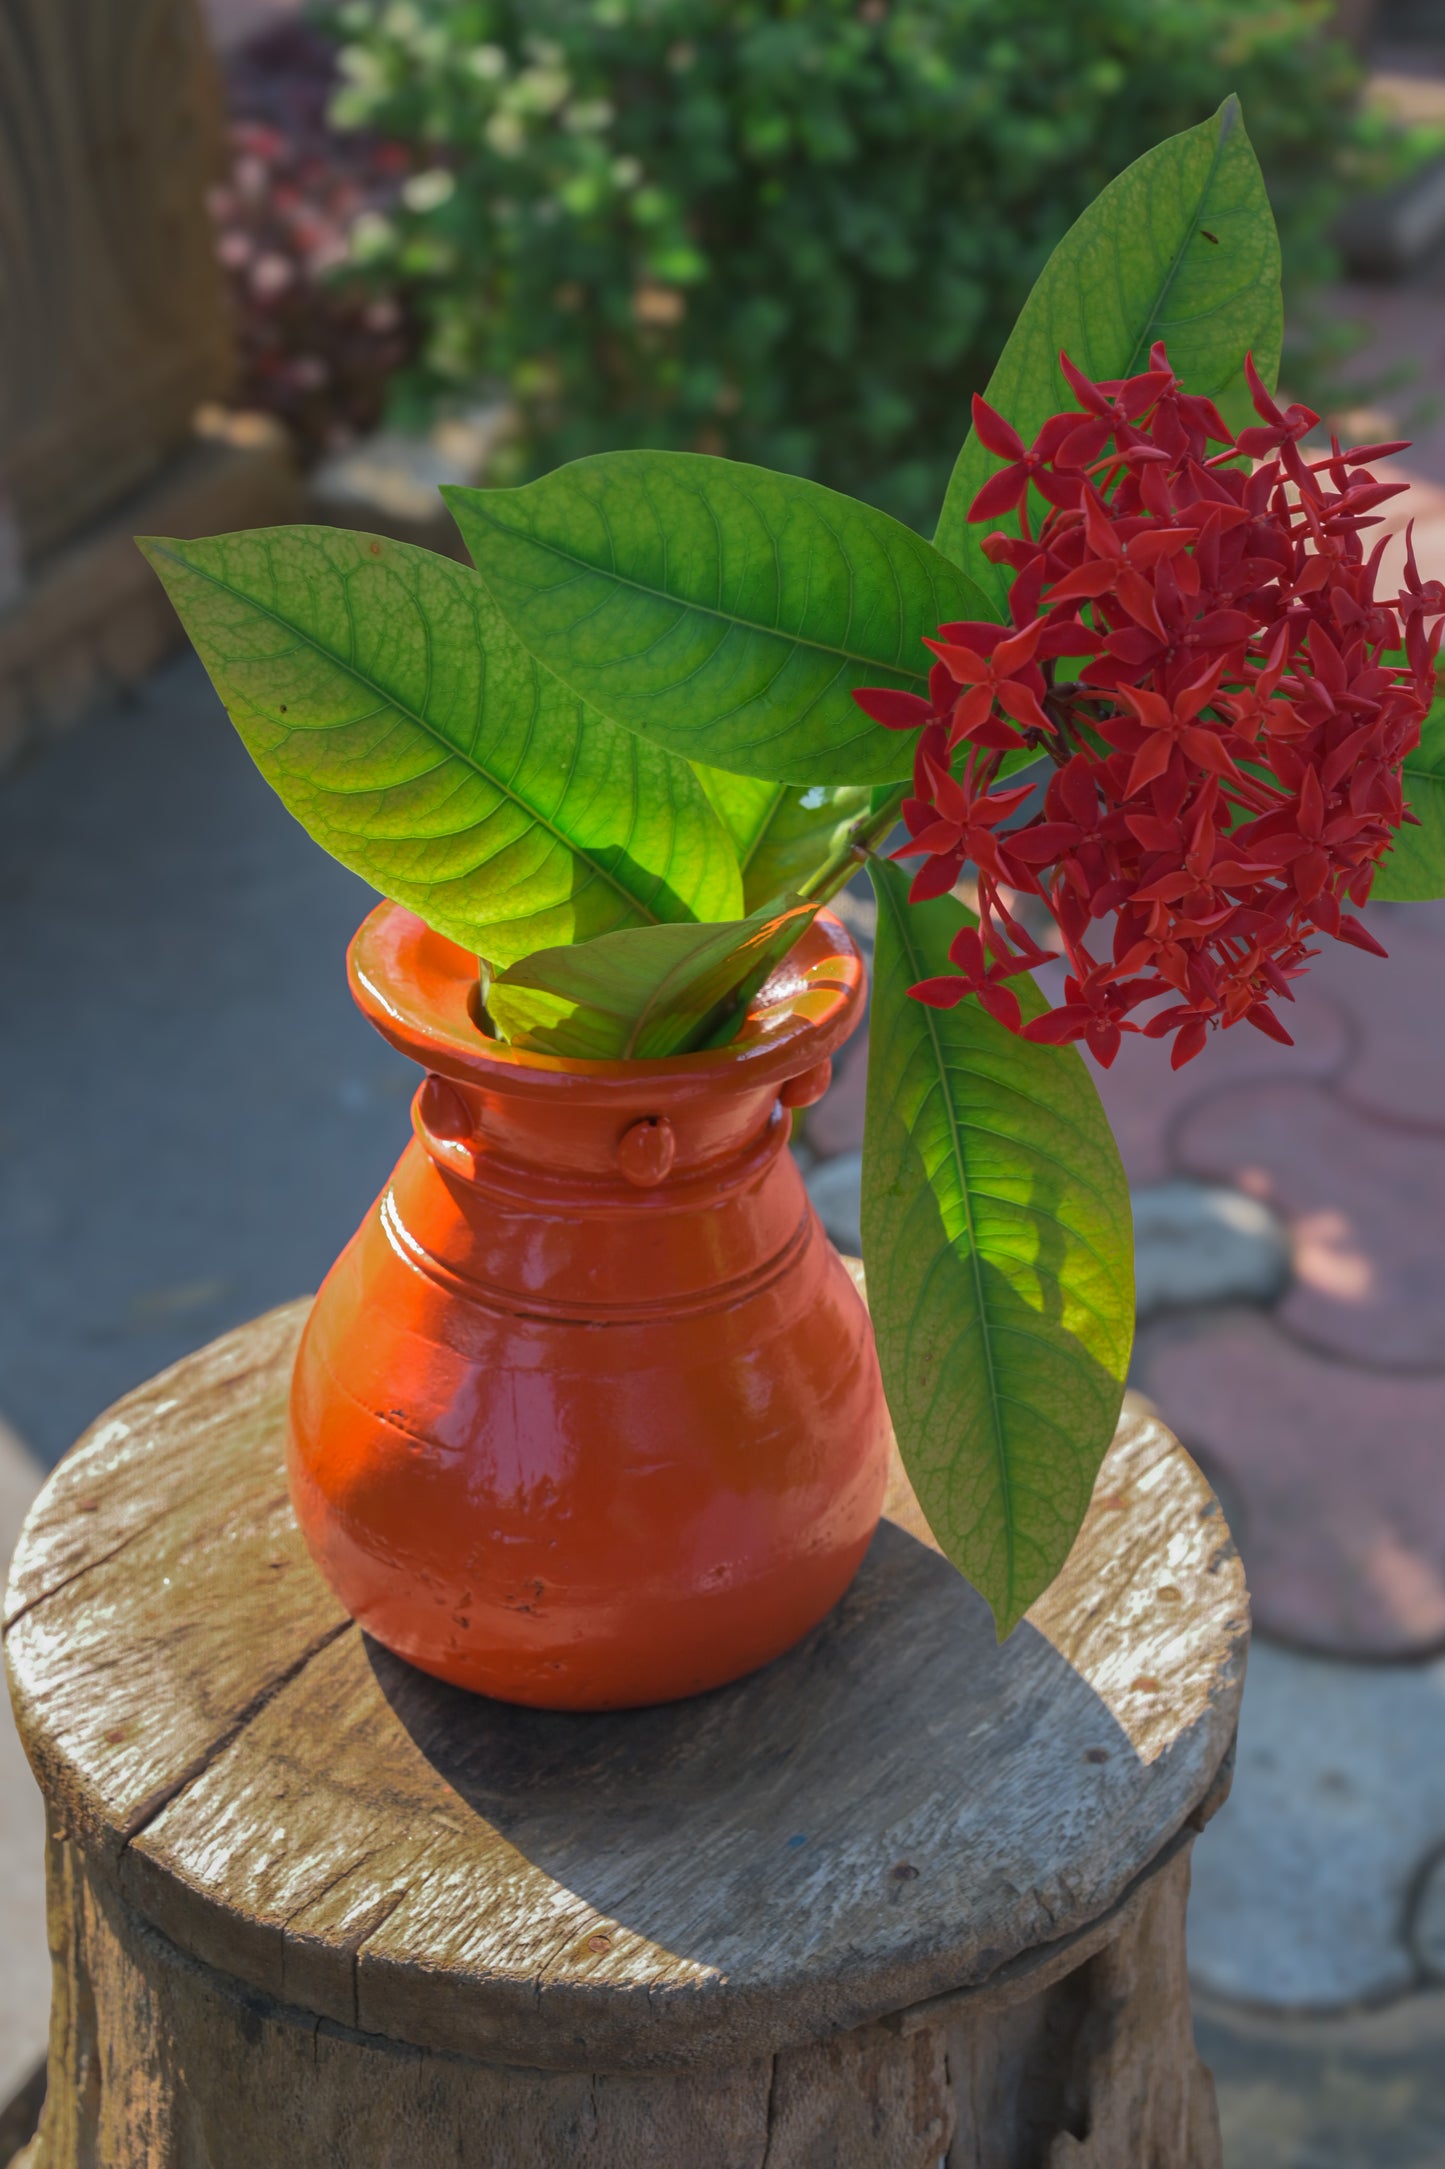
point(805, 1090)
point(646, 1151)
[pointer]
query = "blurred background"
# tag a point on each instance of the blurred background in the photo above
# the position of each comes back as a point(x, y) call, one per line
point(260, 262)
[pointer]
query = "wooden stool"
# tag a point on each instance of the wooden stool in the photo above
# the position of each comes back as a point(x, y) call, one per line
point(904, 1896)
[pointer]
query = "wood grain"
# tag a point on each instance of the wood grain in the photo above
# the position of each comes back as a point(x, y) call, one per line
point(897, 1810)
point(1099, 2071)
point(160, 2062)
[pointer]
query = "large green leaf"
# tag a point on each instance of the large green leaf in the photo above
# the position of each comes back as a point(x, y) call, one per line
point(721, 610)
point(999, 1248)
point(633, 996)
point(780, 834)
point(1414, 870)
point(378, 689)
point(1180, 247)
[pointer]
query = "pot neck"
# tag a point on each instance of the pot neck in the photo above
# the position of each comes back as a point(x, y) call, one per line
point(502, 1115)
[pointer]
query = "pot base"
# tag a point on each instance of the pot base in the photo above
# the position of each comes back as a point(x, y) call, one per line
point(669, 1660)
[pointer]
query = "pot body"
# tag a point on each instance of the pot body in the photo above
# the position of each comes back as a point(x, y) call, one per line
point(587, 1414)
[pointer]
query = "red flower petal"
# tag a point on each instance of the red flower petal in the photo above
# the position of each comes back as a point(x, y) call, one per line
point(1056, 1027)
point(942, 993)
point(1352, 931)
point(1000, 494)
point(1002, 1004)
point(1263, 1018)
point(895, 711)
point(995, 434)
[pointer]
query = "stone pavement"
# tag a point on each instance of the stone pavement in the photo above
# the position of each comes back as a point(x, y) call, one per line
point(233, 21)
point(193, 1117)
point(1365, 2091)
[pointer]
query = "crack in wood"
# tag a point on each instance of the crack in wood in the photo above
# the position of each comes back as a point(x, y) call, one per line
point(770, 2121)
point(156, 1802)
point(89, 1566)
point(376, 1920)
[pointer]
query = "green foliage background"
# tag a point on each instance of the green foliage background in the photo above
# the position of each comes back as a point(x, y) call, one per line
point(792, 231)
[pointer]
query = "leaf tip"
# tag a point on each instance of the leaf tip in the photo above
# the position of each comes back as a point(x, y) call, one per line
point(1231, 116)
point(1008, 1614)
point(165, 554)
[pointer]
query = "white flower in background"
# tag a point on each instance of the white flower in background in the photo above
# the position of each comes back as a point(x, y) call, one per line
point(430, 190)
point(506, 133)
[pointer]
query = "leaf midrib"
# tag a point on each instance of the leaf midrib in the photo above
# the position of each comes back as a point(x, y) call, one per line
point(917, 970)
point(1142, 343)
point(657, 996)
point(374, 685)
point(682, 602)
point(728, 948)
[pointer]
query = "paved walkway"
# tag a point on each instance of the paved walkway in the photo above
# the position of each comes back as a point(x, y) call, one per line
point(192, 1114)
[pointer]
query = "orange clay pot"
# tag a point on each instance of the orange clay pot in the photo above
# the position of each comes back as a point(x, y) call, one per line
point(587, 1413)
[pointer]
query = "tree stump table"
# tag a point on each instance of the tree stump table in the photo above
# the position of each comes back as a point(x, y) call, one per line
point(905, 1897)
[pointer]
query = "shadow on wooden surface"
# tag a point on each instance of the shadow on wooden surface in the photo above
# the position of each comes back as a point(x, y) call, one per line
point(839, 1801)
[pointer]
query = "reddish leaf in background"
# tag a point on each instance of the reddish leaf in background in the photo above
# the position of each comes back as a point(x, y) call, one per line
point(1227, 758)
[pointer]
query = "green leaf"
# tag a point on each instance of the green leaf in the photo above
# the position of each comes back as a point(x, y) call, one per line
point(378, 690)
point(999, 1248)
point(780, 834)
point(638, 995)
point(1180, 247)
point(720, 610)
point(1413, 870)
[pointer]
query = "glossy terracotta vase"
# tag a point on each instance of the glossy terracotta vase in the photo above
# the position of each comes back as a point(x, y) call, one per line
point(587, 1413)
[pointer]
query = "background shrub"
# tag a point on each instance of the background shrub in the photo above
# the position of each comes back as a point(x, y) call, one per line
point(792, 231)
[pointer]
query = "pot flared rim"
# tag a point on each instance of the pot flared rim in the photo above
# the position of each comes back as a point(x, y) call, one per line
point(418, 988)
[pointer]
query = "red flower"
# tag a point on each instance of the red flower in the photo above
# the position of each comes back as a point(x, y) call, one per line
point(1227, 759)
point(976, 975)
point(952, 821)
point(995, 668)
point(1009, 488)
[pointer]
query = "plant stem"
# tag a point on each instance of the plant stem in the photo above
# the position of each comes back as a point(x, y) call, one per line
point(836, 871)
point(857, 847)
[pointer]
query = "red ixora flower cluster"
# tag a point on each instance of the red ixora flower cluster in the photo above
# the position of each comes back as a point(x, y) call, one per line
point(1228, 738)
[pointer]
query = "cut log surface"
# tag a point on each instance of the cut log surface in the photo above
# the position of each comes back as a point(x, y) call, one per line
point(901, 1821)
